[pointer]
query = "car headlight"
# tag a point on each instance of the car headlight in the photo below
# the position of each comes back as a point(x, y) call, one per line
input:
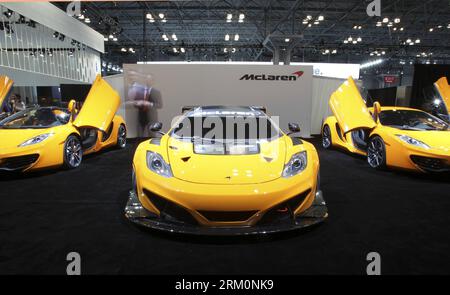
point(296, 164)
point(412, 141)
point(156, 163)
point(36, 139)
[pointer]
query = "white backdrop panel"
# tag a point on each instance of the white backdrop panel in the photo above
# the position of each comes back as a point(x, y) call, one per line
point(184, 84)
point(322, 89)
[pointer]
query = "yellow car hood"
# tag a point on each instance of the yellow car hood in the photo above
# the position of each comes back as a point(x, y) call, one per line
point(10, 138)
point(439, 140)
point(265, 166)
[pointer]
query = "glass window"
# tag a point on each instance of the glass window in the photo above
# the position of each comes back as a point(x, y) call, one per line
point(411, 120)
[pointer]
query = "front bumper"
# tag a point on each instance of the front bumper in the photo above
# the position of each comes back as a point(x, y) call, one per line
point(137, 214)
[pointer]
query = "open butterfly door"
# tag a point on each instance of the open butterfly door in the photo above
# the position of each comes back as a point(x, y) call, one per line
point(100, 106)
point(444, 91)
point(5, 88)
point(350, 109)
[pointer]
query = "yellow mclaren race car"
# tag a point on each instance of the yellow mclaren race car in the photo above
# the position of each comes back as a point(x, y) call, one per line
point(225, 171)
point(42, 137)
point(396, 137)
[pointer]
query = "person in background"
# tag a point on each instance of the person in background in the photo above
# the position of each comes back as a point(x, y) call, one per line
point(17, 103)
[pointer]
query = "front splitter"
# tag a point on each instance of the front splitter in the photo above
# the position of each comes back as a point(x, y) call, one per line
point(137, 214)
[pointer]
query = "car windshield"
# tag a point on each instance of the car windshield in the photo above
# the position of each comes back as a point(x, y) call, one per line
point(411, 120)
point(226, 134)
point(36, 118)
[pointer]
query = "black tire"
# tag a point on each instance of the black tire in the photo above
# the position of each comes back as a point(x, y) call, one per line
point(73, 152)
point(376, 153)
point(327, 142)
point(121, 137)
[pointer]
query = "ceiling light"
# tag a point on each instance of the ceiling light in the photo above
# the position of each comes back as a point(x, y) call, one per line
point(236, 37)
point(408, 41)
point(123, 49)
point(225, 50)
point(309, 17)
point(371, 64)
point(334, 51)
point(87, 20)
point(359, 39)
point(81, 16)
point(397, 20)
point(359, 27)
point(350, 39)
point(174, 37)
point(401, 29)
point(164, 20)
point(316, 22)
point(161, 15)
point(395, 29)
point(320, 18)
point(287, 40)
point(175, 50)
point(149, 16)
point(417, 41)
point(378, 24)
point(309, 26)
point(152, 20)
point(183, 50)
point(227, 37)
point(431, 30)
point(305, 22)
point(241, 16)
point(345, 41)
point(105, 38)
point(354, 42)
point(385, 20)
point(111, 36)
point(114, 39)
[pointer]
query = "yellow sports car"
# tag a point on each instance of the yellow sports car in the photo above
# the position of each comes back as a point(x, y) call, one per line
point(42, 137)
point(225, 171)
point(396, 137)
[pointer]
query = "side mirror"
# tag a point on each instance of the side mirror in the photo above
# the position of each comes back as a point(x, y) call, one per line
point(293, 128)
point(376, 111)
point(156, 127)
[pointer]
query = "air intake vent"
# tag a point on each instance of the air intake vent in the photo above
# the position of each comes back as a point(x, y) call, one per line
point(169, 210)
point(431, 164)
point(228, 216)
point(18, 163)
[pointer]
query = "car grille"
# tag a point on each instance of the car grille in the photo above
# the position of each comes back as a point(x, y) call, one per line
point(18, 163)
point(228, 216)
point(169, 210)
point(284, 211)
point(431, 164)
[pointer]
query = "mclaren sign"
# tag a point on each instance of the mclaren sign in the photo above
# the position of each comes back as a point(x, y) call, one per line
point(264, 77)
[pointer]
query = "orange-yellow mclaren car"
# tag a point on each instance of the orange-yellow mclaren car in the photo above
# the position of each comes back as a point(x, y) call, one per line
point(225, 171)
point(42, 137)
point(396, 137)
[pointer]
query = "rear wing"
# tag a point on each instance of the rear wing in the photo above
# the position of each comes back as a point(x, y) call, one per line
point(259, 108)
point(188, 108)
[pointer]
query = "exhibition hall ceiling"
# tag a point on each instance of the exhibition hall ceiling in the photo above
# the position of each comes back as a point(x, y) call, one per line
point(406, 32)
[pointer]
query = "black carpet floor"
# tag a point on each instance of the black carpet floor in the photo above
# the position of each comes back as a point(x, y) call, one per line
point(404, 217)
